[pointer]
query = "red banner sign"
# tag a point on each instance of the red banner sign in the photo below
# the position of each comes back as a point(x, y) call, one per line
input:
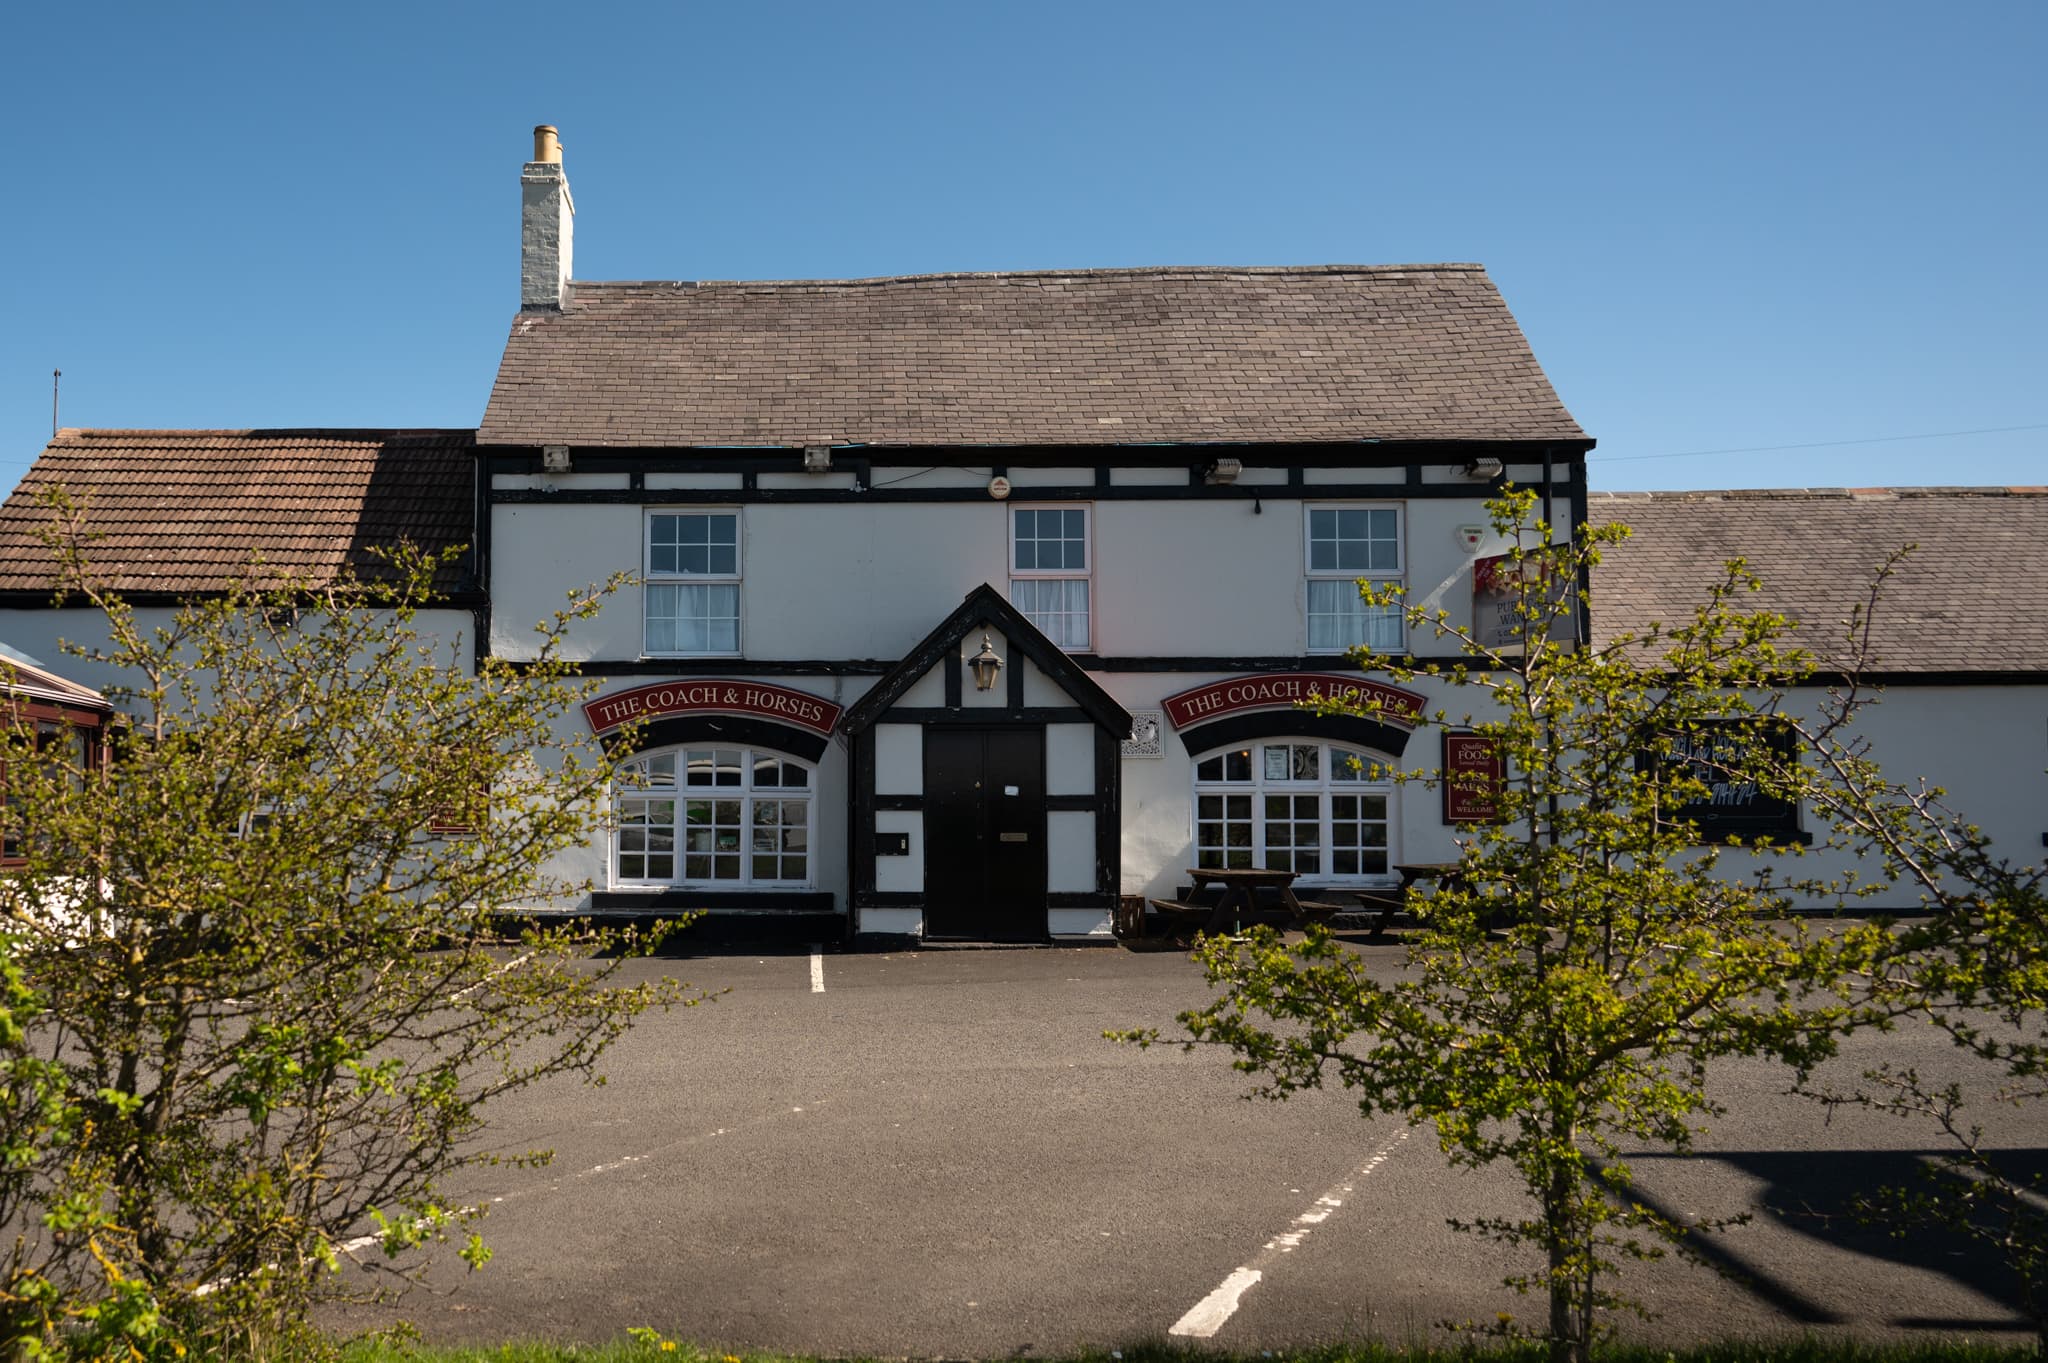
point(1286, 691)
point(712, 696)
point(1472, 777)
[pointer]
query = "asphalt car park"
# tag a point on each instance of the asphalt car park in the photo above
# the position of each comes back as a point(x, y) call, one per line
point(936, 1153)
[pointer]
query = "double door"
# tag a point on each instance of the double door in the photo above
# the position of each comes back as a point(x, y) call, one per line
point(984, 833)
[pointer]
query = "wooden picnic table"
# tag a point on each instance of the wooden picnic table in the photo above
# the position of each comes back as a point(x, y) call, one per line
point(1449, 875)
point(1237, 902)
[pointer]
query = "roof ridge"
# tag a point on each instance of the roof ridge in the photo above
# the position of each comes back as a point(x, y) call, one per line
point(218, 432)
point(1835, 493)
point(1090, 272)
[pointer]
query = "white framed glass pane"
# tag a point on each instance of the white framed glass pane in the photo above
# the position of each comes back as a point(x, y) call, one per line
point(1046, 539)
point(1339, 619)
point(1057, 606)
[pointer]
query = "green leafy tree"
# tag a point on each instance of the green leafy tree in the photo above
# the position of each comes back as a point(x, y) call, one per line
point(1566, 996)
point(1976, 967)
point(268, 942)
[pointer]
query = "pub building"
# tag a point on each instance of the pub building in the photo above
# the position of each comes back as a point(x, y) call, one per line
point(965, 606)
point(968, 604)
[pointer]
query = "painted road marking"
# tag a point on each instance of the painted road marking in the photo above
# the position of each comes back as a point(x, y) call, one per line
point(817, 970)
point(1206, 1317)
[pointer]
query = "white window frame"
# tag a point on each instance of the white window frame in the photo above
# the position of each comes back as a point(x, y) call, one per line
point(1086, 578)
point(745, 793)
point(649, 578)
point(1398, 576)
point(1323, 787)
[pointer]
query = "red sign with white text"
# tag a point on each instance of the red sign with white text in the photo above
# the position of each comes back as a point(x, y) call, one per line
point(1286, 691)
point(713, 696)
point(1472, 777)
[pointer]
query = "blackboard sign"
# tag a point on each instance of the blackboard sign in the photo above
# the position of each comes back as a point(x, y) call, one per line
point(1716, 753)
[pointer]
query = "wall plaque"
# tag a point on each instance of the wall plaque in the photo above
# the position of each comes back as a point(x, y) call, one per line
point(1148, 735)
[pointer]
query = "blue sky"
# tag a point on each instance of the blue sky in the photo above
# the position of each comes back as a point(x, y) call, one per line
point(1722, 226)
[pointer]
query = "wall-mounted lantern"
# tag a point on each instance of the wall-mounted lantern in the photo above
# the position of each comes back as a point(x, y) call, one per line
point(985, 664)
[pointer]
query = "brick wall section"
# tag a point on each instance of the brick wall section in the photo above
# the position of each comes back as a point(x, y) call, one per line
point(190, 511)
point(1088, 357)
point(1969, 598)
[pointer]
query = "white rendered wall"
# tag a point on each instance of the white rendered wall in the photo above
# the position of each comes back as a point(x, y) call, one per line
point(42, 633)
point(868, 580)
point(901, 875)
point(1070, 760)
point(899, 759)
point(1070, 851)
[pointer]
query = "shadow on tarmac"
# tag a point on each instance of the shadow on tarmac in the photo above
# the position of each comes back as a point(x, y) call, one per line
point(1827, 1196)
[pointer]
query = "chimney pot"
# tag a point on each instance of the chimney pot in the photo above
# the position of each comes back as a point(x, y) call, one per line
point(547, 145)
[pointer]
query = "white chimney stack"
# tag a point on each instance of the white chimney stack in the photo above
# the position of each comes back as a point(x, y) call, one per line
point(547, 225)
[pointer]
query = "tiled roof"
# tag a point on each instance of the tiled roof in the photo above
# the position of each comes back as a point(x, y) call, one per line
point(189, 511)
point(1969, 598)
point(1085, 357)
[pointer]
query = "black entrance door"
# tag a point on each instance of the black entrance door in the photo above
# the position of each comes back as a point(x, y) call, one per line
point(984, 834)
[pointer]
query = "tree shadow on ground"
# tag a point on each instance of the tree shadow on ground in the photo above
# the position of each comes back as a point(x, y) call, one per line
point(1825, 1196)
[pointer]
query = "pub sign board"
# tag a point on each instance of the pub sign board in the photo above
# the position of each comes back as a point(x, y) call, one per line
point(1473, 773)
point(1288, 691)
point(1715, 753)
point(713, 696)
point(1497, 594)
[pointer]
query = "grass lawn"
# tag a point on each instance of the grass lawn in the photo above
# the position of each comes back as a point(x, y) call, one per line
point(647, 1347)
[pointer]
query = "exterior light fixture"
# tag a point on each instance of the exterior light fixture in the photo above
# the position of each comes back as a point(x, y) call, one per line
point(1485, 470)
point(985, 664)
point(817, 459)
point(1223, 471)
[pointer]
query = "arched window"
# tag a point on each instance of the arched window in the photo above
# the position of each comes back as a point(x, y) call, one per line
point(728, 817)
point(1321, 810)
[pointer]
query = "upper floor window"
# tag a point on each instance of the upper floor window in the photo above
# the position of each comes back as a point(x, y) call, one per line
point(1346, 543)
point(1050, 565)
point(693, 582)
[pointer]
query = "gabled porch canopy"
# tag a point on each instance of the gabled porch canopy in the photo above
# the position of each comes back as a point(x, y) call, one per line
point(986, 608)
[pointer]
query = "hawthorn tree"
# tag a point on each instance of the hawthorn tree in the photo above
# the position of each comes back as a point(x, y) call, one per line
point(1975, 967)
point(1568, 994)
point(268, 946)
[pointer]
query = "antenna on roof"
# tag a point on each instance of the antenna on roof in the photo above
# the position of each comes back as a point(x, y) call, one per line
point(55, 375)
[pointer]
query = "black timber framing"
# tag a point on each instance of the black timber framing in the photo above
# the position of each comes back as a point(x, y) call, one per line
point(1409, 459)
point(985, 607)
point(1411, 489)
point(1227, 664)
point(1109, 817)
point(972, 716)
point(1002, 459)
point(860, 823)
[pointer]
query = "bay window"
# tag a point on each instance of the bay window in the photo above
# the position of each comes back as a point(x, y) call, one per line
point(1318, 809)
point(730, 818)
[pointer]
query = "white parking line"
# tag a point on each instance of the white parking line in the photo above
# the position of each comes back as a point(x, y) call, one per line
point(1206, 1316)
point(817, 970)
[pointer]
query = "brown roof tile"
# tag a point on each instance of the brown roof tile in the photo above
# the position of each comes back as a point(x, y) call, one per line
point(189, 511)
point(1967, 599)
point(1086, 357)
